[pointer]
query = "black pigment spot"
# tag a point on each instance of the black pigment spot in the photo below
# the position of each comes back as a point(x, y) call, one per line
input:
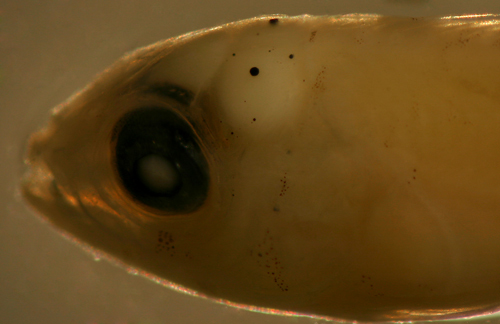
point(273, 21)
point(291, 56)
point(234, 54)
point(254, 71)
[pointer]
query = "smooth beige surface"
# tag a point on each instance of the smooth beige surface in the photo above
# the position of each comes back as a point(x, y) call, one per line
point(47, 59)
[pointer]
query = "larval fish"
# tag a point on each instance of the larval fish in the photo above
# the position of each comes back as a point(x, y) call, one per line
point(338, 166)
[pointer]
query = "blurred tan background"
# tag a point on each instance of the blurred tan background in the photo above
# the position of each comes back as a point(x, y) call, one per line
point(50, 49)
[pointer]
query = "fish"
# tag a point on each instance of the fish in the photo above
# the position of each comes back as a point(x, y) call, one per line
point(339, 167)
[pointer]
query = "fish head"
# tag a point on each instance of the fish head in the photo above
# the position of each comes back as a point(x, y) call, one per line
point(176, 160)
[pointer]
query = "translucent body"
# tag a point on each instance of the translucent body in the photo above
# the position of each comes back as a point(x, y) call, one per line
point(354, 176)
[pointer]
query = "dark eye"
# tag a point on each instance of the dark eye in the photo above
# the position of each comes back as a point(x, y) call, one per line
point(159, 160)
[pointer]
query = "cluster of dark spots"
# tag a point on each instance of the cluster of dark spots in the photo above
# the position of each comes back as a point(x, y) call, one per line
point(366, 278)
point(273, 21)
point(254, 71)
point(455, 118)
point(290, 56)
point(414, 171)
point(233, 135)
point(284, 186)
point(464, 41)
point(414, 175)
point(313, 35)
point(360, 40)
point(165, 242)
point(367, 281)
point(319, 80)
point(461, 41)
point(267, 259)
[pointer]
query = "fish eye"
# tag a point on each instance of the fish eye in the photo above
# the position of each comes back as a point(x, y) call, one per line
point(159, 161)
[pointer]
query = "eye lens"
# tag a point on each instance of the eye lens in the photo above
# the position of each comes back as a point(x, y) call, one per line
point(159, 160)
point(158, 174)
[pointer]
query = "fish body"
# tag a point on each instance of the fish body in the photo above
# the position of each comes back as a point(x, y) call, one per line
point(342, 166)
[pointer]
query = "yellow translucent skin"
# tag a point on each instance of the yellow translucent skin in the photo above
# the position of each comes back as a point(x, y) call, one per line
point(357, 180)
